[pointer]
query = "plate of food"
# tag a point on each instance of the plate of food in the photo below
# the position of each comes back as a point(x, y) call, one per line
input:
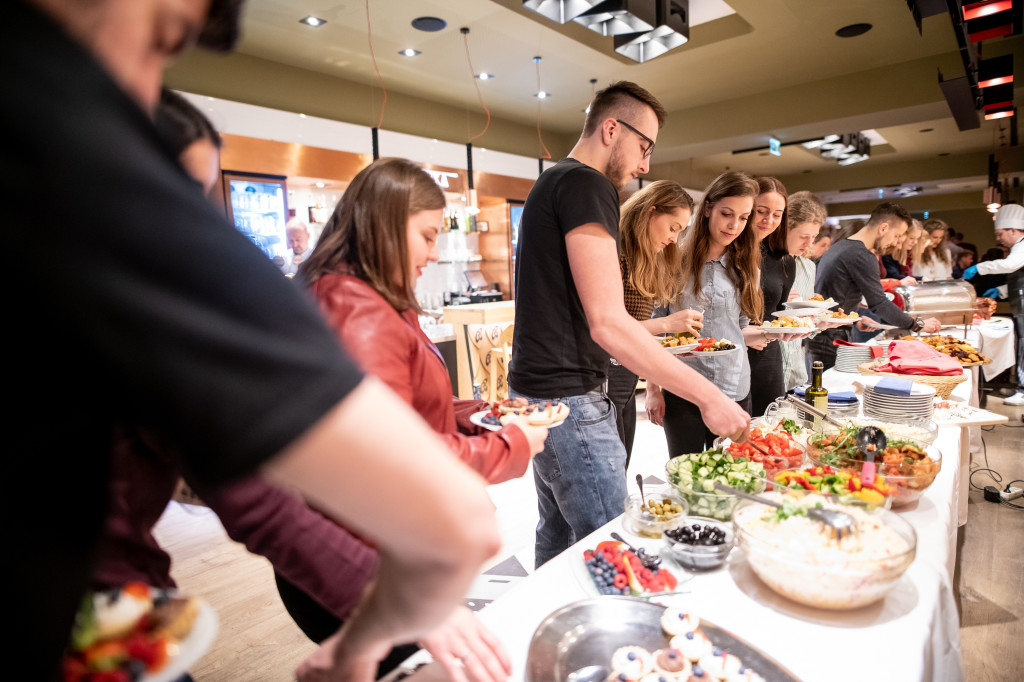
point(148, 634)
point(679, 343)
point(837, 316)
point(797, 312)
point(788, 325)
point(709, 345)
point(501, 413)
point(815, 301)
point(615, 568)
point(960, 350)
point(612, 638)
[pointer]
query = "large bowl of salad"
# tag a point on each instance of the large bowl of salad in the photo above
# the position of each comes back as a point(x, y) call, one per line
point(694, 475)
point(800, 558)
point(840, 485)
point(908, 466)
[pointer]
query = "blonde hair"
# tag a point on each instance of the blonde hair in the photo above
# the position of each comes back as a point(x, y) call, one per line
point(368, 232)
point(900, 253)
point(652, 273)
point(805, 207)
point(940, 252)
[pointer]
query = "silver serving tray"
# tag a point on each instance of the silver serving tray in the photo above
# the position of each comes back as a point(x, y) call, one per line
point(588, 632)
point(952, 301)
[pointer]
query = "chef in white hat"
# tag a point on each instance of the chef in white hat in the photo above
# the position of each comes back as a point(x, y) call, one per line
point(1009, 225)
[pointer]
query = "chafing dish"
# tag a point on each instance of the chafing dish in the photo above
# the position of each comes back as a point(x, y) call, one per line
point(952, 301)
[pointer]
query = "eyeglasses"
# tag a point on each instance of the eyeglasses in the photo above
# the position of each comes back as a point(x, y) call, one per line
point(649, 149)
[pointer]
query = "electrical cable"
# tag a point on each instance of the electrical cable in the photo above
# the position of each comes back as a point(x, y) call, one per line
point(472, 74)
point(993, 474)
point(369, 38)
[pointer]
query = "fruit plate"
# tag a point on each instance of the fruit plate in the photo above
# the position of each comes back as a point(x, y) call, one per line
point(652, 546)
point(478, 419)
point(704, 353)
point(586, 633)
point(190, 649)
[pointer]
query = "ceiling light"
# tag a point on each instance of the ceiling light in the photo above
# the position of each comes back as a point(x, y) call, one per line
point(429, 24)
point(312, 21)
point(616, 17)
point(997, 97)
point(995, 71)
point(320, 185)
point(409, 52)
point(853, 30)
point(977, 10)
point(1000, 113)
point(302, 116)
point(672, 30)
point(560, 11)
point(542, 95)
point(484, 76)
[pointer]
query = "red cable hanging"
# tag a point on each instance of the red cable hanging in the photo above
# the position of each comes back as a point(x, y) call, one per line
point(547, 154)
point(472, 74)
point(369, 38)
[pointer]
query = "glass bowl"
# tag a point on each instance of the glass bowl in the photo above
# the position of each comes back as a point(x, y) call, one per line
point(866, 500)
point(645, 524)
point(714, 504)
point(799, 559)
point(909, 479)
point(700, 557)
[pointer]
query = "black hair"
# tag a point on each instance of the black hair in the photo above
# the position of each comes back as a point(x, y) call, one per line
point(221, 30)
point(180, 124)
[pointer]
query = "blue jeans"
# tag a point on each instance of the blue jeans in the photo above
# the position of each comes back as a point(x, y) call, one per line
point(580, 475)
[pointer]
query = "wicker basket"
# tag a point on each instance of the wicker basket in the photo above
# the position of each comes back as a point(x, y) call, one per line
point(943, 385)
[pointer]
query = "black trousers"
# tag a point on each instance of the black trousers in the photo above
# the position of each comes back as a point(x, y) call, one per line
point(622, 391)
point(684, 428)
point(766, 380)
point(318, 623)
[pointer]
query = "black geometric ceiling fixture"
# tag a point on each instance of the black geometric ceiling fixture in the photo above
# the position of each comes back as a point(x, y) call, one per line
point(619, 17)
point(560, 11)
point(672, 19)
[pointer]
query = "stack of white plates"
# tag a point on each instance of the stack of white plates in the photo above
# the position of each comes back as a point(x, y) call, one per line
point(917, 405)
point(848, 357)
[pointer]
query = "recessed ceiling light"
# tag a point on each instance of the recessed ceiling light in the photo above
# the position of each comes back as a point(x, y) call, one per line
point(484, 76)
point(320, 185)
point(409, 52)
point(853, 30)
point(312, 21)
point(429, 24)
point(302, 116)
point(542, 94)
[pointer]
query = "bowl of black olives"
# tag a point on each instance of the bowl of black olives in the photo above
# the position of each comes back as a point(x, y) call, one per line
point(699, 543)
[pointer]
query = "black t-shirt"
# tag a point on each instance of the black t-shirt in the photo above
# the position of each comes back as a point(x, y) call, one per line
point(553, 354)
point(129, 299)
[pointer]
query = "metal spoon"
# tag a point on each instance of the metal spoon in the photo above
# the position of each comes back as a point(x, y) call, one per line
point(649, 561)
point(871, 440)
point(589, 673)
point(640, 482)
point(841, 522)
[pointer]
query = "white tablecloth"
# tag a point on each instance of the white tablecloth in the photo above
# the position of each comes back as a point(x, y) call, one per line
point(913, 634)
point(995, 339)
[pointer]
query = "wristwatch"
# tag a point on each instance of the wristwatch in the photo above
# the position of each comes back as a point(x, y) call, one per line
point(918, 324)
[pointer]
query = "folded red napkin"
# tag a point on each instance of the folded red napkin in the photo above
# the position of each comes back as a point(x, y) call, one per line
point(915, 357)
point(876, 350)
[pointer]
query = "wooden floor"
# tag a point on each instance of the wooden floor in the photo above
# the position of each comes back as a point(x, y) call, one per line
point(259, 642)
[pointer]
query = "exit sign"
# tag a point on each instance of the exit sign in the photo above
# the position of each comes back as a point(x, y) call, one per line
point(774, 147)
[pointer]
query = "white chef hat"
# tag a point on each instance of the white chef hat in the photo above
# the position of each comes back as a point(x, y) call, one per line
point(1010, 216)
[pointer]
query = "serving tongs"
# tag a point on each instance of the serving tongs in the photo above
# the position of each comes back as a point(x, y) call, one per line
point(840, 522)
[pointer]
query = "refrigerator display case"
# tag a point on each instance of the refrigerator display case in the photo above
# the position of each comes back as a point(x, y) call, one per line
point(257, 204)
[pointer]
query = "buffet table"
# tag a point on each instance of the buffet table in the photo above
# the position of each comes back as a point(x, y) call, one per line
point(912, 634)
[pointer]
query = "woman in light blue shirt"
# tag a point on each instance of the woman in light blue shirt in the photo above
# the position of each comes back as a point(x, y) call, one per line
point(721, 270)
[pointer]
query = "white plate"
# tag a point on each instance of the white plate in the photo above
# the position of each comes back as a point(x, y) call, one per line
point(811, 304)
point(882, 327)
point(787, 330)
point(477, 418)
point(797, 312)
point(916, 388)
point(191, 649)
point(704, 353)
point(676, 350)
point(837, 320)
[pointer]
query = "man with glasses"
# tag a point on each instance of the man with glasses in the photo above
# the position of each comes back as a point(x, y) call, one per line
point(571, 319)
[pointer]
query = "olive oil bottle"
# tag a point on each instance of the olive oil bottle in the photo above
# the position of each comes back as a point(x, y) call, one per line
point(817, 395)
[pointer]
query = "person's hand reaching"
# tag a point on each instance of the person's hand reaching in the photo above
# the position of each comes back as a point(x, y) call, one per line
point(467, 650)
point(992, 293)
point(971, 272)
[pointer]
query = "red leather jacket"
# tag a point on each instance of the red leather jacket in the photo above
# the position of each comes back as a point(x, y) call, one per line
point(391, 346)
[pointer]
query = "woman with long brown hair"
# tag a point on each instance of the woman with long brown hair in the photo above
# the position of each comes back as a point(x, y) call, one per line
point(935, 261)
point(650, 224)
point(721, 258)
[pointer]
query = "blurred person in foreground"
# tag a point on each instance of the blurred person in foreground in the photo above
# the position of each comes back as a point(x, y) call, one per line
point(221, 356)
point(849, 271)
point(571, 319)
point(1009, 226)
